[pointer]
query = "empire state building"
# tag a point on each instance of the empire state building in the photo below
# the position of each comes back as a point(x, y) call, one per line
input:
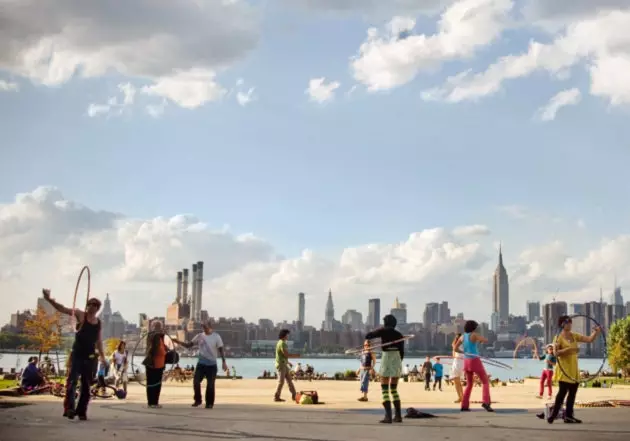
point(501, 291)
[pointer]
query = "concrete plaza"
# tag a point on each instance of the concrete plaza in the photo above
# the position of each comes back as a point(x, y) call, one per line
point(245, 411)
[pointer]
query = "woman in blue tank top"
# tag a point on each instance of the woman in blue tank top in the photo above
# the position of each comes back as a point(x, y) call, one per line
point(473, 365)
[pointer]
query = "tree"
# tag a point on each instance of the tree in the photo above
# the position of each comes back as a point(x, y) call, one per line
point(43, 331)
point(618, 346)
point(111, 344)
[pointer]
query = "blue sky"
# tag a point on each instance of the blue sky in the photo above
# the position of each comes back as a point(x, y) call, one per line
point(364, 168)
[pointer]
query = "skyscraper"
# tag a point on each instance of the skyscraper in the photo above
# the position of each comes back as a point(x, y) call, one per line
point(551, 313)
point(431, 314)
point(329, 320)
point(533, 311)
point(374, 313)
point(301, 308)
point(501, 291)
point(400, 312)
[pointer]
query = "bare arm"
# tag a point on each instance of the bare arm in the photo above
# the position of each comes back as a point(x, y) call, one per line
point(59, 307)
point(99, 344)
point(478, 338)
point(591, 338)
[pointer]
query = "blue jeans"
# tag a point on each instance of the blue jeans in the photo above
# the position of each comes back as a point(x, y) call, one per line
point(79, 368)
point(365, 380)
point(210, 374)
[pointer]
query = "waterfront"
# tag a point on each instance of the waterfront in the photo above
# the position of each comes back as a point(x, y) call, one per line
point(253, 367)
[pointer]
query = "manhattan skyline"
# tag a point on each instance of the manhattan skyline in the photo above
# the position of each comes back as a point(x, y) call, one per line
point(378, 149)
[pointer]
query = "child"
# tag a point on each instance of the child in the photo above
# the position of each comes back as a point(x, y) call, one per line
point(100, 375)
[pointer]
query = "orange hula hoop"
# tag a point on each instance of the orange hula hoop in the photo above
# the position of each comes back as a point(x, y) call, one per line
point(84, 270)
point(524, 341)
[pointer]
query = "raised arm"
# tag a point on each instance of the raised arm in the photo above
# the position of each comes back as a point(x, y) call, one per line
point(59, 307)
point(591, 338)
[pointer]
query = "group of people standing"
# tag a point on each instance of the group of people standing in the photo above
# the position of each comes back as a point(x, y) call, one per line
point(88, 342)
point(468, 363)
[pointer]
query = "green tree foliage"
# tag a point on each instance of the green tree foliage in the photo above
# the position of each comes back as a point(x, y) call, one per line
point(9, 340)
point(618, 346)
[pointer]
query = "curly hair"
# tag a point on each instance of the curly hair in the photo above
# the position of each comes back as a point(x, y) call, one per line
point(470, 326)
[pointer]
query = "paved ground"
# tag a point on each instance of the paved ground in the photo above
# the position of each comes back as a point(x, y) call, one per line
point(123, 421)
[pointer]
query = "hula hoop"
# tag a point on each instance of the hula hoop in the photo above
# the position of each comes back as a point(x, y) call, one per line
point(603, 335)
point(133, 355)
point(381, 345)
point(494, 363)
point(85, 269)
point(525, 340)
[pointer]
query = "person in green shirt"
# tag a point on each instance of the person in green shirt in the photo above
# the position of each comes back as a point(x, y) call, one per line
point(283, 365)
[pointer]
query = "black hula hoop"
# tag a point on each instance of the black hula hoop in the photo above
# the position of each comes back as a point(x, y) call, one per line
point(603, 335)
point(143, 336)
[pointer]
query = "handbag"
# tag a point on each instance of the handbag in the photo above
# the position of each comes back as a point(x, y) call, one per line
point(172, 357)
point(309, 393)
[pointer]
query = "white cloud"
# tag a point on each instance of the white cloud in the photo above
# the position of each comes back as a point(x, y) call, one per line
point(135, 260)
point(9, 86)
point(244, 98)
point(471, 230)
point(189, 89)
point(320, 91)
point(372, 8)
point(598, 40)
point(51, 42)
point(395, 56)
point(113, 107)
point(562, 99)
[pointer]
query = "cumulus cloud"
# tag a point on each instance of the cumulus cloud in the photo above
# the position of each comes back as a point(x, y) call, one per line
point(135, 260)
point(562, 99)
point(394, 56)
point(321, 91)
point(178, 46)
point(594, 37)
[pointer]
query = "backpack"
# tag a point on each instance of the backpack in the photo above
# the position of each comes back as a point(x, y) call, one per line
point(307, 395)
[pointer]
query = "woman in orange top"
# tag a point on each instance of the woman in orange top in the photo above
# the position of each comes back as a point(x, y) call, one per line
point(154, 363)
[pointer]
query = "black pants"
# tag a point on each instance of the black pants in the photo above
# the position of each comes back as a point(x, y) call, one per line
point(427, 381)
point(210, 374)
point(568, 390)
point(154, 385)
point(83, 368)
point(437, 382)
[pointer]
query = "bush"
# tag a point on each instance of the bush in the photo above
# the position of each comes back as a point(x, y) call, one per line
point(350, 374)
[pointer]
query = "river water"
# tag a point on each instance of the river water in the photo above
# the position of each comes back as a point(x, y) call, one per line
point(253, 367)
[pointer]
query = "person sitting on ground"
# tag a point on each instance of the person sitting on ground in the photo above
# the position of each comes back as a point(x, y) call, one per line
point(32, 377)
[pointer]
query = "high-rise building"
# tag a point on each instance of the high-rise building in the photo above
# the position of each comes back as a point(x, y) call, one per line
point(595, 310)
point(533, 311)
point(444, 313)
point(400, 312)
point(576, 308)
point(301, 309)
point(501, 291)
point(374, 313)
point(431, 315)
point(329, 315)
point(617, 297)
point(627, 308)
point(551, 313)
point(352, 318)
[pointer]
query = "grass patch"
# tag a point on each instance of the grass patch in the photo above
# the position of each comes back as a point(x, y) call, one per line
point(609, 380)
point(6, 384)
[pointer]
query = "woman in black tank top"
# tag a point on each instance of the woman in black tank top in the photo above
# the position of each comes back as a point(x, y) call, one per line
point(83, 360)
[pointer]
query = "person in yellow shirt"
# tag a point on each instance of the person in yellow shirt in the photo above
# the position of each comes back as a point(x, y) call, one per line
point(567, 374)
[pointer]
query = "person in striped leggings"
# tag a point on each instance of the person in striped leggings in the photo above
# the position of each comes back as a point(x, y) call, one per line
point(393, 345)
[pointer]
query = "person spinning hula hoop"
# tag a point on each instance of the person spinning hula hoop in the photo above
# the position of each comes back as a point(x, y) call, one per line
point(566, 351)
point(82, 358)
point(391, 365)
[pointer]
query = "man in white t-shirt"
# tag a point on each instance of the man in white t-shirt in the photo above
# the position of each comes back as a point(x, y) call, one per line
point(210, 347)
